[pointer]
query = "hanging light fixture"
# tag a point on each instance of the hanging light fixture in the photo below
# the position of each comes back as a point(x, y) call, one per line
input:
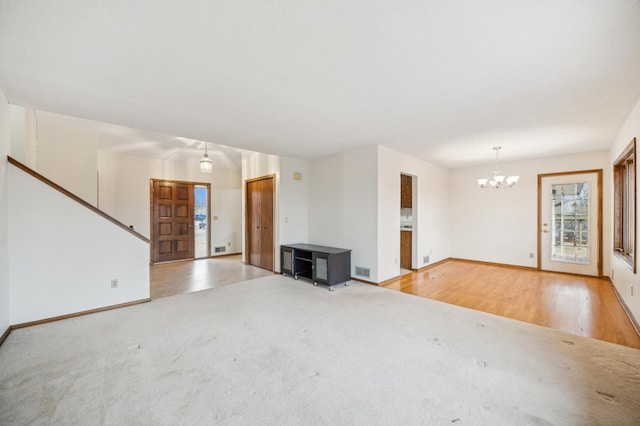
point(206, 166)
point(498, 180)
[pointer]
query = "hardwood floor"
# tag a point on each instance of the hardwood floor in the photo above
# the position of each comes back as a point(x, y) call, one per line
point(169, 279)
point(586, 306)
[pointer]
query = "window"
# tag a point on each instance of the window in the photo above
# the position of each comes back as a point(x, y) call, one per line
point(624, 208)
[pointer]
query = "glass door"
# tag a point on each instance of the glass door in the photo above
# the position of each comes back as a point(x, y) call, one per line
point(569, 218)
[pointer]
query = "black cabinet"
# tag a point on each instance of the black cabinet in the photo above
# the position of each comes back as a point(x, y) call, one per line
point(324, 265)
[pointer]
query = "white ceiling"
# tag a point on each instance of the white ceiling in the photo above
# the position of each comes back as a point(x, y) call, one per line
point(443, 80)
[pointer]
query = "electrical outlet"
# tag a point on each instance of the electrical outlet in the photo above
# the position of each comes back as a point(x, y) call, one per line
point(425, 259)
point(530, 255)
point(114, 283)
point(631, 286)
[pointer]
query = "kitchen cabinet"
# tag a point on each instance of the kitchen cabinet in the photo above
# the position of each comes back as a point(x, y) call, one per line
point(405, 249)
point(406, 192)
point(322, 265)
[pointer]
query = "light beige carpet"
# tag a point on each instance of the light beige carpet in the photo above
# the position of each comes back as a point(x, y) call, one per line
point(275, 351)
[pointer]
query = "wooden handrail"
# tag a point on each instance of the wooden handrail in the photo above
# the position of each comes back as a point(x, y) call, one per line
point(75, 198)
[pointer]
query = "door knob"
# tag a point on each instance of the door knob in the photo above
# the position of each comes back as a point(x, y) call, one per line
point(545, 231)
point(545, 224)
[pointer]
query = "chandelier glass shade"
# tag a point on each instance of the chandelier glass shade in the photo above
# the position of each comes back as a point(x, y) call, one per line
point(206, 165)
point(498, 179)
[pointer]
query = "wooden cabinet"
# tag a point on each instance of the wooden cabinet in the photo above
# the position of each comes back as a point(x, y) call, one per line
point(324, 265)
point(406, 192)
point(405, 249)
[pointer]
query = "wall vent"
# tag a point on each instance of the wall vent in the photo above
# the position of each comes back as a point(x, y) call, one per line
point(363, 272)
point(425, 259)
point(221, 249)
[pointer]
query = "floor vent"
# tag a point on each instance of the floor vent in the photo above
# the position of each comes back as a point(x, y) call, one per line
point(363, 272)
point(221, 249)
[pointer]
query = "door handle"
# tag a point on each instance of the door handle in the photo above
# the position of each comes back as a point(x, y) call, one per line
point(545, 230)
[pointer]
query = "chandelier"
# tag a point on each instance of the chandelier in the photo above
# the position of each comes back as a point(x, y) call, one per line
point(498, 180)
point(206, 166)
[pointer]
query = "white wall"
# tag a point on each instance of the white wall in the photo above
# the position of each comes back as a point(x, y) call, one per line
point(360, 195)
point(69, 157)
point(327, 221)
point(24, 131)
point(5, 147)
point(501, 225)
point(125, 193)
point(343, 205)
point(62, 257)
point(430, 235)
point(621, 275)
point(294, 203)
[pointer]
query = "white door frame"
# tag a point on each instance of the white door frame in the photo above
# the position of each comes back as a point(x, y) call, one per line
point(598, 200)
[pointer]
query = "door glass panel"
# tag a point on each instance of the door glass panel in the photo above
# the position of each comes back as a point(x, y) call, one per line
point(321, 268)
point(286, 260)
point(201, 221)
point(570, 223)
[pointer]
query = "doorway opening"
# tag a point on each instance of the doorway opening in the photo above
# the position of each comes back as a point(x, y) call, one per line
point(406, 223)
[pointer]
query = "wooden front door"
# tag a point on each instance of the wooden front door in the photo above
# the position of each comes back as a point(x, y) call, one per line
point(172, 221)
point(259, 218)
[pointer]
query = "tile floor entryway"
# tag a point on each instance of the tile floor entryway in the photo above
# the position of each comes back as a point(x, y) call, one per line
point(169, 279)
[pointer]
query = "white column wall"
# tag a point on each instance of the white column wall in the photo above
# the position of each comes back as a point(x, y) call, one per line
point(622, 276)
point(430, 235)
point(327, 221)
point(294, 201)
point(5, 147)
point(343, 205)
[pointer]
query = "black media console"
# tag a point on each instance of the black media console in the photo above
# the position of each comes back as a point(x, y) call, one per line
point(324, 265)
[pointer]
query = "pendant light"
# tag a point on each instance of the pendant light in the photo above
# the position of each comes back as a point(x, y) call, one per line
point(206, 166)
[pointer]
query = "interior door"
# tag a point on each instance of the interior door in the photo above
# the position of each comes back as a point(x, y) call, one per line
point(172, 221)
point(259, 218)
point(266, 236)
point(254, 220)
point(570, 223)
